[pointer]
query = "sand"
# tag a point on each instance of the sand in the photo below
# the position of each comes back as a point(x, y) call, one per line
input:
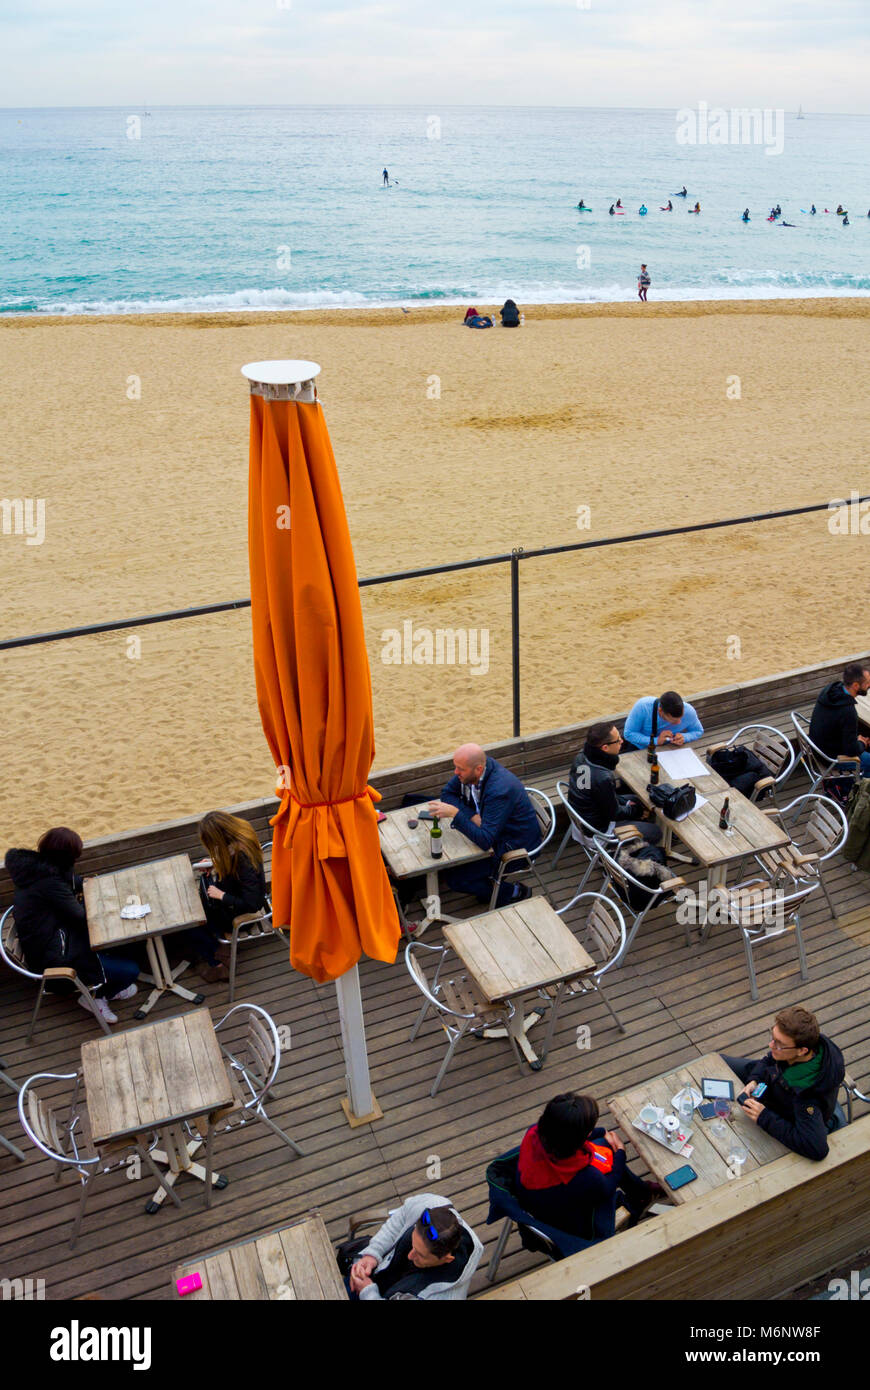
point(451, 444)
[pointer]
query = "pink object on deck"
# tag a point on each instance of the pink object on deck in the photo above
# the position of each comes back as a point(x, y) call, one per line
point(189, 1284)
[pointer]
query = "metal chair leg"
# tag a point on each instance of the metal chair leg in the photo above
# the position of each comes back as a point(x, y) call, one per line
point(36, 1006)
point(825, 891)
point(495, 1257)
point(234, 952)
point(802, 955)
point(421, 1015)
point(551, 1026)
point(156, 1173)
point(559, 852)
point(444, 1065)
point(261, 1114)
point(11, 1148)
point(753, 983)
point(77, 1224)
point(610, 1009)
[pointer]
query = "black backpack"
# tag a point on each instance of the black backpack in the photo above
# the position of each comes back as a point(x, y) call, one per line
point(739, 767)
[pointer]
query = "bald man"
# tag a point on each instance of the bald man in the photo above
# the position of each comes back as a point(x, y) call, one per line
point(491, 807)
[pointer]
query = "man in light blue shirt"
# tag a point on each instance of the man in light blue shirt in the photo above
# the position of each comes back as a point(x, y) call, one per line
point(676, 722)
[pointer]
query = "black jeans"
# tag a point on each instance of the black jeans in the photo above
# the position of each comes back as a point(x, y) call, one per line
point(647, 828)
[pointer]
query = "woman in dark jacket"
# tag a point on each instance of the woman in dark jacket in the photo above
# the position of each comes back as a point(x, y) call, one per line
point(510, 315)
point(51, 923)
point(235, 884)
point(573, 1176)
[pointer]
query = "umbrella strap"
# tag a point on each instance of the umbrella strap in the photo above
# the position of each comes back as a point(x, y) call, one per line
point(342, 800)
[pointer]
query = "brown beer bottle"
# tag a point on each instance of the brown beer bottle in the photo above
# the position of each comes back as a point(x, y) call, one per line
point(724, 820)
point(654, 769)
point(651, 750)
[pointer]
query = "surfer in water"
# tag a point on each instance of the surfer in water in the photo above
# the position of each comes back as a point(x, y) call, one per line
point(683, 193)
point(845, 219)
point(619, 202)
point(788, 224)
point(669, 208)
point(696, 208)
point(612, 210)
point(386, 177)
point(813, 211)
point(581, 206)
point(746, 217)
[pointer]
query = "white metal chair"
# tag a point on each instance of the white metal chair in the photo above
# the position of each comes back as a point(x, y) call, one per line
point(816, 763)
point(459, 1007)
point(618, 883)
point(817, 839)
point(852, 1094)
point(584, 834)
point(66, 1139)
point(516, 865)
point(771, 747)
point(762, 913)
point(254, 1066)
point(12, 955)
point(604, 939)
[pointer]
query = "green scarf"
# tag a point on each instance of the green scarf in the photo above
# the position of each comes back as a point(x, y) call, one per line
point(800, 1075)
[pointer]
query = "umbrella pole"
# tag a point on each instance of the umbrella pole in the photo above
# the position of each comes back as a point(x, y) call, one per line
point(360, 1106)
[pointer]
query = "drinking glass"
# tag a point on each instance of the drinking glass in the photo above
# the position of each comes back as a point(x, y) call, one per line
point(722, 1109)
point(737, 1156)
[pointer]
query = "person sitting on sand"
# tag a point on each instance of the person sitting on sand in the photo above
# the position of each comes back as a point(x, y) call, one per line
point(510, 315)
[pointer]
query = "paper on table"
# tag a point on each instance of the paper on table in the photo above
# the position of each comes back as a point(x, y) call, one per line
point(682, 762)
point(699, 802)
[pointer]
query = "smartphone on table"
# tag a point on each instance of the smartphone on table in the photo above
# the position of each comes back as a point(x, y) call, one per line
point(680, 1177)
point(707, 1110)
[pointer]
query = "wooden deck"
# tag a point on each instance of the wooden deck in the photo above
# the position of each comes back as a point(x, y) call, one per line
point(675, 1002)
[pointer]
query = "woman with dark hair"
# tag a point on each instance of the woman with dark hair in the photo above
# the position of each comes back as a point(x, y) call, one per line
point(510, 315)
point(235, 884)
point(573, 1176)
point(51, 923)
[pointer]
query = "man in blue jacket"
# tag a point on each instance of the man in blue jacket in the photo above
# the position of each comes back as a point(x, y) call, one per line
point(492, 808)
point(670, 717)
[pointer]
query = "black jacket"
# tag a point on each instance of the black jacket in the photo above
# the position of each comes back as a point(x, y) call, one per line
point(585, 1206)
point(800, 1119)
point(245, 892)
point(834, 725)
point(592, 788)
point(49, 918)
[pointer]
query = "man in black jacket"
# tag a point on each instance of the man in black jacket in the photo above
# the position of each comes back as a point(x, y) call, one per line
point(834, 724)
point(803, 1072)
point(592, 785)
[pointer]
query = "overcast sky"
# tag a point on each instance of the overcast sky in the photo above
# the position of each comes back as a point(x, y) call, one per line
point(666, 53)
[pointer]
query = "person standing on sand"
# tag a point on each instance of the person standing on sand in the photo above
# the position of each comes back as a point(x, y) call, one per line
point(643, 283)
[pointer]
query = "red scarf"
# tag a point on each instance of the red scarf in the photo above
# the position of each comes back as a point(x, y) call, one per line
point(537, 1169)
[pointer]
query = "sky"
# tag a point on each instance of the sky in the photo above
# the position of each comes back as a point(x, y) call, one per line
point(667, 53)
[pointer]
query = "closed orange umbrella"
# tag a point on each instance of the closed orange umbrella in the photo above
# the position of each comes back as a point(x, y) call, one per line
point(329, 883)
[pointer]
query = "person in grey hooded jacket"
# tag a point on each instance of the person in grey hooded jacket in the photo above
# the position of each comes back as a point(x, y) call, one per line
point(424, 1250)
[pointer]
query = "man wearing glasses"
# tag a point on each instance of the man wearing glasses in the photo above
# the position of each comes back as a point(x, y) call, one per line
point(592, 786)
point(425, 1250)
point(803, 1072)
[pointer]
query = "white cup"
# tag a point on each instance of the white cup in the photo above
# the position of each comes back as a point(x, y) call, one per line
point(652, 1115)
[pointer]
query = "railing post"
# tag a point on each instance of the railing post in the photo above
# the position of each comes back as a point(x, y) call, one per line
point(515, 635)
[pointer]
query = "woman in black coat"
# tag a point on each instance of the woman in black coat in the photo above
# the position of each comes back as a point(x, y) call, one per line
point(234, 885)
point(573, 1176)
point(51, 923)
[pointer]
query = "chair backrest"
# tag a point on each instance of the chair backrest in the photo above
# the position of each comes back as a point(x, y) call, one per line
point(826, 826)
point(259, 1055)
point(604, 928)
point(501, 1177)
point(751, 904)
point(441, 996)
point(813, 756)
point(587, 830)
point(43, 1126)
point(546, 816)
point(770, 746)
point(10, 947)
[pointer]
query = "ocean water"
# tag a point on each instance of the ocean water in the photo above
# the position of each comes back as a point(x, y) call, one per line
point(113, 210)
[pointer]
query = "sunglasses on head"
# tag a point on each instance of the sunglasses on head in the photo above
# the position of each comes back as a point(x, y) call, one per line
point(426, 1219)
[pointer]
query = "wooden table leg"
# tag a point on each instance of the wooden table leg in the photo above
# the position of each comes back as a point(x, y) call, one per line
point(432, 906)
point(178, 1155)
point(163, 977)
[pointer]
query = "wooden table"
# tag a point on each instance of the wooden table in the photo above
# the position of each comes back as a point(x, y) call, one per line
point(155, 1078)
point(407, 853)
point(751, 830)
point(709, 1157)
point(516, 950)
point(294, 1262)
point(171, 888)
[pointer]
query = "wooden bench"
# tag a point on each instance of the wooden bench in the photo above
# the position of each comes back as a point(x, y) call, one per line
point(759, 1237)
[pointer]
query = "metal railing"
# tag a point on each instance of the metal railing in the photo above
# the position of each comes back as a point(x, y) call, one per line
point(511, 558)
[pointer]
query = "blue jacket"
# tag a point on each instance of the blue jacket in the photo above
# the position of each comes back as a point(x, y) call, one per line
point(638, 725)
point(507, 816)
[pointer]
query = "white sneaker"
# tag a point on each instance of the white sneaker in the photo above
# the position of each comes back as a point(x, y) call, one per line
point(126, 993)
point(101, 1007)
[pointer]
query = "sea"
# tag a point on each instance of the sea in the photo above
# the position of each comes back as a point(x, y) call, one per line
point(191, 209)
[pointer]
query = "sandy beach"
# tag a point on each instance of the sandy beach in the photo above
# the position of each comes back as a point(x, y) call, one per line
point(588, 422)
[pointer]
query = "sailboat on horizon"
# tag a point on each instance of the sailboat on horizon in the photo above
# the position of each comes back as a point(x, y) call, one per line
point(800, 114)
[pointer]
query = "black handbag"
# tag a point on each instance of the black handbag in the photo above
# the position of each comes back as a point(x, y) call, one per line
point(672, 801)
